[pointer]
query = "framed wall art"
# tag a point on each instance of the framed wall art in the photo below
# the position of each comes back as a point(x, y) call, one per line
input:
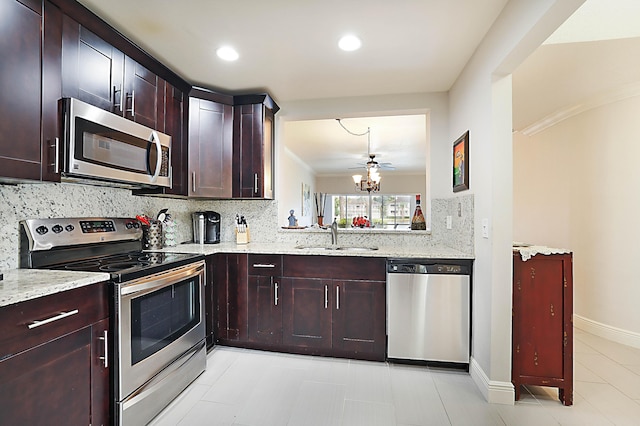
point(306, 199)
point(461, 163)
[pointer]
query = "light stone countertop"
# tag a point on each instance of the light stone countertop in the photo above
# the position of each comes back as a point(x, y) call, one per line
point(428, 252)
point(19, 285)
point(23, 284)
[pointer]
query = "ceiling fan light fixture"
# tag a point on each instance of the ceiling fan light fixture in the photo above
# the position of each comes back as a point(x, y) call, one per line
point(357, 179)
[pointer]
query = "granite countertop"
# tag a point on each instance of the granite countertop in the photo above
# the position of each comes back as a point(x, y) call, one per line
point(23, 284)
point(19, 285)
point(434, 252)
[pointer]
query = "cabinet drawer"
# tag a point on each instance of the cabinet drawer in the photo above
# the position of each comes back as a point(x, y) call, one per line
point(269, 265)
point(16, 336)
point(337, 267)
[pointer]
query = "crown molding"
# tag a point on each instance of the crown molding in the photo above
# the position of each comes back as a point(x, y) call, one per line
point(609, 97)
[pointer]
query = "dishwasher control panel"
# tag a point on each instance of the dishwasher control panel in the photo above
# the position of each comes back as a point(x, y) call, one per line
point(403, 267)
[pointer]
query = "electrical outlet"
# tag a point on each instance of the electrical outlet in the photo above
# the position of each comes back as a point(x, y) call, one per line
point(449, 222)
point(485, 228)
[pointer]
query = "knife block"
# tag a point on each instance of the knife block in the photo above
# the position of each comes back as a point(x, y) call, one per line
point(242, 237)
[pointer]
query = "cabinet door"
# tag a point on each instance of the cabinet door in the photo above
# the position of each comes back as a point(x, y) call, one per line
point(142, 92)
point(174, 126)
point(265, 310)
point(20, 103)
point(92, 69)
point(49, 384)
point(230, 292)
point(539, 312)
point(307, 313)
point(210, 148)
point(359, 316)
point(253, 151)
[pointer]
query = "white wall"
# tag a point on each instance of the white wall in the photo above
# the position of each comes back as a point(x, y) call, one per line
point(480, 101)
point(289, 189)
point(575, 187)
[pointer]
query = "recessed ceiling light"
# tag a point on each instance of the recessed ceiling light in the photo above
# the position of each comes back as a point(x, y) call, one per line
point(349, 43)
point(227, 53)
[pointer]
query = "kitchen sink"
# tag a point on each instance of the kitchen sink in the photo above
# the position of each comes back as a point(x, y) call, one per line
point(335, 247)
point(356, 248)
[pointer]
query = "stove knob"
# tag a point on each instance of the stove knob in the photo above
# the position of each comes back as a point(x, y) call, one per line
point(136, 225)
point(42, 229)
point(57, 229)
point(69, 228)
point(129, 225)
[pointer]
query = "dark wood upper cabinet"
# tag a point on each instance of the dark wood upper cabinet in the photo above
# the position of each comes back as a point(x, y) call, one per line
point(20, 103)
point(253, 146)
point(92, 69)
point(210, 145)
point(143, 95)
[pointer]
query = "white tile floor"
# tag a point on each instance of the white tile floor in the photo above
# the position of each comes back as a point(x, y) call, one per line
point(253, 388)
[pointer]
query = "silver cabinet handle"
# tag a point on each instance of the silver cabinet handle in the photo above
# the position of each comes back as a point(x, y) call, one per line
point(275, 295)
point(132, 110)
point(337, 297)
point(255, 183)
point(105, 358)
point(326, 296)
point(264, 265)
point(35, 324)
point(117, 106)
point(56, 160)
point(193, 181)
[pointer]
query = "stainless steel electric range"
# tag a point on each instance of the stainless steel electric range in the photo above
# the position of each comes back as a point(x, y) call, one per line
point(157, 309)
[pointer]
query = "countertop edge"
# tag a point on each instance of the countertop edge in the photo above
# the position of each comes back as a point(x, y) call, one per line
point(21, 285)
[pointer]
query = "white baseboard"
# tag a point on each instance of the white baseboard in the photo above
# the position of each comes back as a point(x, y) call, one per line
point(608, 332)
point(493, 391)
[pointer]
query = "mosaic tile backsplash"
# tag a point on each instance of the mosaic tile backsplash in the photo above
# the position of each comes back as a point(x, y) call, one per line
point(18, 202)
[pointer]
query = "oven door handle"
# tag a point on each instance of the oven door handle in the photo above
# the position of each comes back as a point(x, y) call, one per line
point(157, 281)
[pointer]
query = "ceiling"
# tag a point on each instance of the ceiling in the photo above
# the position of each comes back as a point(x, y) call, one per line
point(289, 49)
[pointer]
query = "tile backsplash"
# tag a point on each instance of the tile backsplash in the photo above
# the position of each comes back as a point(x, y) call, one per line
point(18, 202)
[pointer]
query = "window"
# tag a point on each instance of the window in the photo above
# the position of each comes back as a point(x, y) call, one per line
point(386, 211)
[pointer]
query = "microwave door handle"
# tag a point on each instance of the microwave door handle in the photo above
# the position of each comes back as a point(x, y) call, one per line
point(156, 138)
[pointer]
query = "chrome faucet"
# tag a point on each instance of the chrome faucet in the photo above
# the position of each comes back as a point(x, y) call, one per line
point(334, 232)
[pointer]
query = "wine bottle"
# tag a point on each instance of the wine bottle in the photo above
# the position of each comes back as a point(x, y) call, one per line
point(417, 221)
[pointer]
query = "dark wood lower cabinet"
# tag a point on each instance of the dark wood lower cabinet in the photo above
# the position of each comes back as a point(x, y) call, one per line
point(307, 313)
point(331, 306)
point(55, 374)
point(359, 318)
point(230, 298)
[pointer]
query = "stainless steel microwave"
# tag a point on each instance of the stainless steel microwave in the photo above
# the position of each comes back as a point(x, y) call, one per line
point(103, 147)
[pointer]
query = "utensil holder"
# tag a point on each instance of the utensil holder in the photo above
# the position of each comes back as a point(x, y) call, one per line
point(242, 237)
point(152, 238)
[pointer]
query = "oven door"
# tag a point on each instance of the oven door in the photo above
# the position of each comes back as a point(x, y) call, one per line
point(102, 145)
point(159, 319)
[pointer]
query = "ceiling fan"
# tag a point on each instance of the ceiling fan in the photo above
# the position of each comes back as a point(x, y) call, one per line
point(372, 164)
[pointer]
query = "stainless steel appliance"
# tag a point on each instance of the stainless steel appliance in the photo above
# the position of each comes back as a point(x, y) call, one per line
point(101, 146)
point(206, 227)
point(157, 312)
point(429, 310)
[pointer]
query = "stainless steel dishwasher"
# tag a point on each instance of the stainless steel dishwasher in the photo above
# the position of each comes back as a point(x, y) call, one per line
point(429, 310)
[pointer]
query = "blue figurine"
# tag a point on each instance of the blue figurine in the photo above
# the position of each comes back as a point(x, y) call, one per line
point(292, 219)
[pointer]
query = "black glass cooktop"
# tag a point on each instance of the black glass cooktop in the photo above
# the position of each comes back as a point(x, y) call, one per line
point(131, 265)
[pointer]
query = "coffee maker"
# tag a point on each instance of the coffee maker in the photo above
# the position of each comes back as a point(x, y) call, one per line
point(206, 227)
